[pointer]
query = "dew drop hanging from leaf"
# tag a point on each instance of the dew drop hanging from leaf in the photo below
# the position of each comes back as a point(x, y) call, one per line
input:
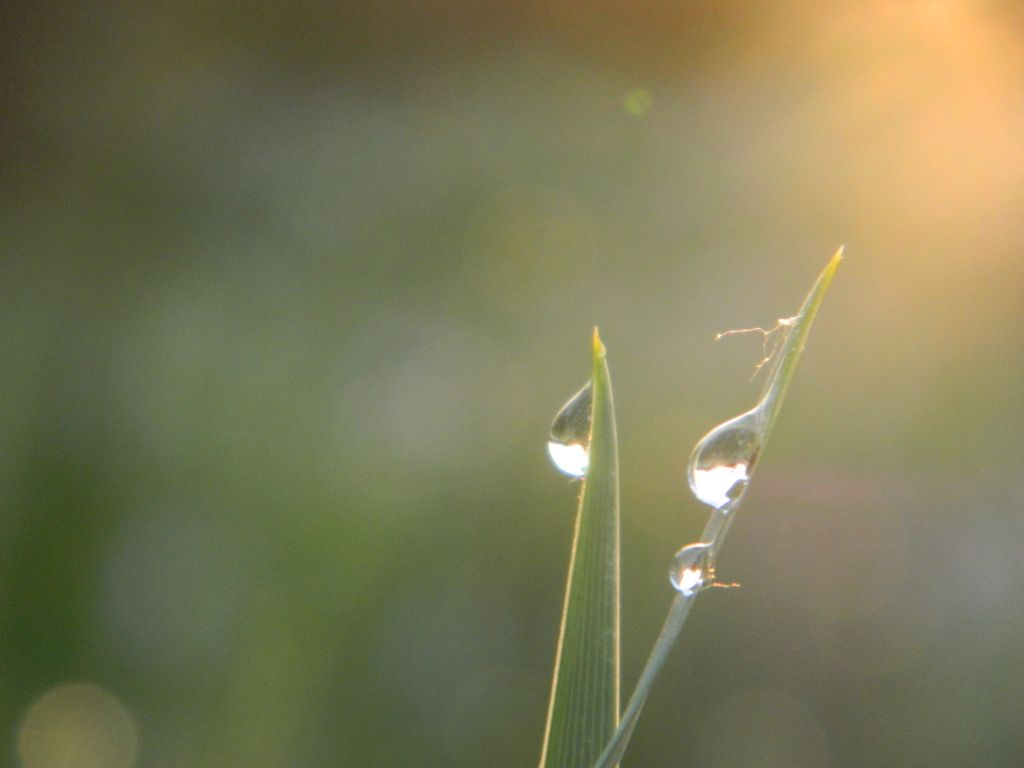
point(692, 568)
point(569, 439)
point(723, 460)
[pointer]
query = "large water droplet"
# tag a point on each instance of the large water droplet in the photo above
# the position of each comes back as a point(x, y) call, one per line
point(723, 460)
point(569, 443)
point(692, 568)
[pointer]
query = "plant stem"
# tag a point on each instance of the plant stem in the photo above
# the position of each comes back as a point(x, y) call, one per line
point(669, 632)
point(714, 532)
point(766, 411)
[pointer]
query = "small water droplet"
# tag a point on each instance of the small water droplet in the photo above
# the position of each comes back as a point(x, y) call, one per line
point(569, 443)
point(723, 460)
point(691, 568)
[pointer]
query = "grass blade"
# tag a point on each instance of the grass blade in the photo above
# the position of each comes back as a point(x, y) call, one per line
point(763, 415)
point(584, 707)
point(788, 356)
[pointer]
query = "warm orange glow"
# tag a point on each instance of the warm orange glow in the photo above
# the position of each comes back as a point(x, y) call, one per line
point(930, 99)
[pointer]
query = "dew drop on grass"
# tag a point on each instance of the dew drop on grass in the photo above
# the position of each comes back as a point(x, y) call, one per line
point(691, 568)
point(569, 439)
point(723, 460)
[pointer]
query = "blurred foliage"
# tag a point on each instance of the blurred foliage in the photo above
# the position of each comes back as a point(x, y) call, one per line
point(290, 294)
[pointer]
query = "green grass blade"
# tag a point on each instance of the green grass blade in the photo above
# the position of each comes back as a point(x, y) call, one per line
point(584, 707)
point(783, 368)
point(784, 365)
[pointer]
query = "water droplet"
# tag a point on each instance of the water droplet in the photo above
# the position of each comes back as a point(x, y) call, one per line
point(692, 569)
point(569, 443)
point(723, 460)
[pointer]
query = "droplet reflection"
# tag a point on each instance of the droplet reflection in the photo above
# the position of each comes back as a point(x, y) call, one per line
point(569, 443)
point(723, 460)
point(571, 458)
point(692, 568)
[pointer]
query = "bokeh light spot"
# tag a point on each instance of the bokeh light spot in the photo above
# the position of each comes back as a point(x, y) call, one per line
point(78, 725)
point(638, 102)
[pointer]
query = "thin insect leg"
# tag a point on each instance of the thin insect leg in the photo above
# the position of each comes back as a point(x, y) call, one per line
point(770, 342)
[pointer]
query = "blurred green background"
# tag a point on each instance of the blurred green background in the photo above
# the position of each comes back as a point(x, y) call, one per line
point(291, 291)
